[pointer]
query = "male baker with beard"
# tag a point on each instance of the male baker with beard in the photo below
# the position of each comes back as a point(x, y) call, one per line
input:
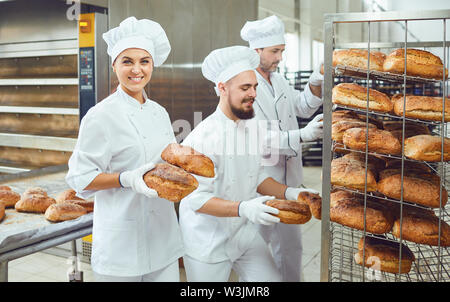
point(278, 101)
point(219, 220)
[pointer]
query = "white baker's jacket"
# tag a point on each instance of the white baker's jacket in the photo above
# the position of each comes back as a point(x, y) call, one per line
point(132, 234)
point(282, 103)
point(238, 172)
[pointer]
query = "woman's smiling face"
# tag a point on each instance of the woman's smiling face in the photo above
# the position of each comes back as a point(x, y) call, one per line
point(134, 68)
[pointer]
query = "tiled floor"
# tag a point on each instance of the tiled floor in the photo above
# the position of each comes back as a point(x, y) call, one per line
point(43, 267)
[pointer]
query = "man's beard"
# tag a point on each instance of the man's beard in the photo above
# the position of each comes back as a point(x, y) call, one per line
point(241, 114)
point(269, 67)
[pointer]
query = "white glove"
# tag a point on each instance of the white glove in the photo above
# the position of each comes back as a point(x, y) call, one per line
point(257, 212)
point(316, 78)
point(292, 193)
point(314, 129)
point(134, 179)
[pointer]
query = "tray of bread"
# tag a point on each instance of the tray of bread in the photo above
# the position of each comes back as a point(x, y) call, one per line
point(32, 210)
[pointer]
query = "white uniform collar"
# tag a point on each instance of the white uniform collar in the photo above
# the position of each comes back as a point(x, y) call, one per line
point(132, 101)
point(260, 78)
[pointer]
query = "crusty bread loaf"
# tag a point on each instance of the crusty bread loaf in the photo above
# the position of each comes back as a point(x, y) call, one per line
point(427, 148)
point(411, 129)
point(171, 182)
point(421, 226)
point(34, 200)
point(383, 255)
point(9, 197)
point(421, 188)
point(68, 194)
point(379, 141)
point(407, 165)
point(64, 211)
point(314, 201)
point(291, 211)
point(188, 159)
point(422, 107)
point(345, 115)
point(375, 164)
point(420, 63)
point(349, 211)
point(2, 210)
point(358, 58)
point(87, 204)
point(353, 95)
point(350, 173)
point(338, 128)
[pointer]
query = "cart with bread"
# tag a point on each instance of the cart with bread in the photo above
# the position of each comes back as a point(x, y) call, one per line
point(386, 148)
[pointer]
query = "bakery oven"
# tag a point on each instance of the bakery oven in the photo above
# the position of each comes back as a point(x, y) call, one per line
point(385, 215)
point(41, 67)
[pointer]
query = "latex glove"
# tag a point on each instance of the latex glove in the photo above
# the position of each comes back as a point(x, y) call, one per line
point(134, 179)
point(316, 78)
point(257, 212)
point(314, 129)
point(292, 193)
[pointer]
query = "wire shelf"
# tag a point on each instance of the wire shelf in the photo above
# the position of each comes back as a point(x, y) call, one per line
point(429, 264)
point(342, 70)
point(432, 263)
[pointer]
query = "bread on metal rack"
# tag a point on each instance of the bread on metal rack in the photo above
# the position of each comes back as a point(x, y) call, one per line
point(354, 95)
point(383, 255)
point(420, 63)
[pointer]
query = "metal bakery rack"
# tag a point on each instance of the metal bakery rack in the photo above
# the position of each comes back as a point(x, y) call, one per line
point(339, 243)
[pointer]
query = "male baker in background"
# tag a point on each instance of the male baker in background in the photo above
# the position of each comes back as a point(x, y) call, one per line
point(219, 220)
point(276, 100)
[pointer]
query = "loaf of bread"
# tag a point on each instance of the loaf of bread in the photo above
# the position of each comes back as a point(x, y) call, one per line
point(374, 163)
point(344, 115)
point(411, 129)
point(34, 200)
point(383, 255)
point(422, 107)
point(408, 165)
point(350, 173)
point(379, 141)
point(291, 211)
point(420, 63)
point(188, 159)
point(58, 212)
point(8, 196)
point(427, 148)
point(353, 95)
point(349, 211)
point(358, 58)
point(420, 188)
point(421, 226)
point(338, 128)
point(171, 182)
point(69, 196)
point(2, 210)
point(314, 201)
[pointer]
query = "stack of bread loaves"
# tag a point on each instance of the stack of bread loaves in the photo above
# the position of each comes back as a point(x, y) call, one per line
point(381, 211)
point(171, 180)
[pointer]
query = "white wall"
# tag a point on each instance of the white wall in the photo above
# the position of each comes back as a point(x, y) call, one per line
point(423, 30)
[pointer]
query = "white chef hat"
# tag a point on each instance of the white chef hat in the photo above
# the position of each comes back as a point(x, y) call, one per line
point(144, 34)
point(264, 33)
point(224, 63)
